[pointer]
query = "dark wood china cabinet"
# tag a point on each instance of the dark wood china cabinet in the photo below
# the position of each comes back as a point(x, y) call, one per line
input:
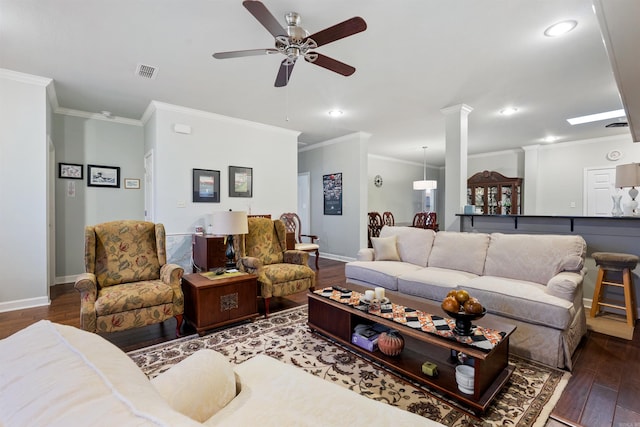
point(494, 194)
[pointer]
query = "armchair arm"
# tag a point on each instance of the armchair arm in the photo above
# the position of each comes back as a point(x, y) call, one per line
point(171, 274)
point(296, 257)
point(250, 264)
point(312, 237)
point(87, 285)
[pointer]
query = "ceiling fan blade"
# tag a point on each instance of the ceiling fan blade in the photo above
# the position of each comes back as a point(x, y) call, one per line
point(284, 73)
point(262, 14)
point(339, 31)
point(330, 63)
point(241, 53)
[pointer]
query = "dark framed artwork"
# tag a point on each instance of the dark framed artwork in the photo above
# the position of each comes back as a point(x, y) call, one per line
point(70, 170)
point(240, 181)
point(332, 190)
point(103, 176)
point(206, 186)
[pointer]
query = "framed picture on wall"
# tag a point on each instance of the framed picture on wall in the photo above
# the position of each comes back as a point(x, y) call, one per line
point(332, 190)
point(240, 181)
point(132, 183)
point(103, 176)
point(70, 171)
point(206, 186)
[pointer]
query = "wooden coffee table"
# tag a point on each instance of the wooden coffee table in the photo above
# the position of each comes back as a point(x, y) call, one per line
point(220, 300)
point(492, 370)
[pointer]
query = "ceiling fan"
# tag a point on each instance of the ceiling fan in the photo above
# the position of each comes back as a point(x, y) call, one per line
point(295, 42)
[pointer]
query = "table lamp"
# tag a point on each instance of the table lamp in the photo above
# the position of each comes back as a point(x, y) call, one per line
point(230, 223)
point(629, 176)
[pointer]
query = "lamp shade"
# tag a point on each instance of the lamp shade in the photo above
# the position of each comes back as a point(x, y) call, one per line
point(628, 175)
point(425, 185)
point(229, 223)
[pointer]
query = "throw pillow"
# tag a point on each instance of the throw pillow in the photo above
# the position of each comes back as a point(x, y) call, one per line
point(385, 248)
point(198, 386)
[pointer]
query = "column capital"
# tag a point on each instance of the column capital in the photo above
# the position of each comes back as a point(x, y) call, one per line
point(459, 108)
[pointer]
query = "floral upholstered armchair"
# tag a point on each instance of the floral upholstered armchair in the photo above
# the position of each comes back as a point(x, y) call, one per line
point(128, 283)
point(280, 272)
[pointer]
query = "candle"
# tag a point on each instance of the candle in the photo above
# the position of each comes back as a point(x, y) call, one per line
point(368, 295)
point(379, 293)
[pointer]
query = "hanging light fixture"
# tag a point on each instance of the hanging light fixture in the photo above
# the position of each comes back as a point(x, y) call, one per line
point(425, 184)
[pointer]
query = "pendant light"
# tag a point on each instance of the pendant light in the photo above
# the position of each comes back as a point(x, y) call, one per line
point(425, 184)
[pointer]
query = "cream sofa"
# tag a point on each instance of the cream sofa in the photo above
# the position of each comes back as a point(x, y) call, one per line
point(56, 375)
point(531, 281)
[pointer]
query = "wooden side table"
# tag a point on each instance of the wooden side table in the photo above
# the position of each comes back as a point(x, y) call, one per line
point(221, 300)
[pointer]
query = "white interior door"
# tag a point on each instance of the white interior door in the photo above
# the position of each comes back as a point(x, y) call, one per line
point(599, 184)
point(304, 201)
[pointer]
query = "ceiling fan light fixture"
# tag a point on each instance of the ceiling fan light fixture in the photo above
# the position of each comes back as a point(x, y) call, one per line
point(560, 28)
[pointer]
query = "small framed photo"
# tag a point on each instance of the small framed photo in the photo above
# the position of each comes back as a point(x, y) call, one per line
point(132, 183)
point(206, 186)
point(70, 171)
point(103, 176)
point(240, 181)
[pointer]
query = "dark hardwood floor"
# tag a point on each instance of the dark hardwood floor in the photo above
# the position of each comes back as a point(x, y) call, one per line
point(603, 390)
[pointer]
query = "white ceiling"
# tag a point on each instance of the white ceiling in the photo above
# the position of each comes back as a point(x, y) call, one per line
point(415, 58)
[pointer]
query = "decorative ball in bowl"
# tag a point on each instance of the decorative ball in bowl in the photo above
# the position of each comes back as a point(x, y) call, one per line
point(459, 305)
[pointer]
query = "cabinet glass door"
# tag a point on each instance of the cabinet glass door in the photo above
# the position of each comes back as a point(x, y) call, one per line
point(492, 200)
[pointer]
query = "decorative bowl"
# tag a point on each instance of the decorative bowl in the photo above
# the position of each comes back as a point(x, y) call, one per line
point(464, 319)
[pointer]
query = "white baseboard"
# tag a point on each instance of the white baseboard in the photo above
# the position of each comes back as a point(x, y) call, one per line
point(24, 303)
point(335, 257)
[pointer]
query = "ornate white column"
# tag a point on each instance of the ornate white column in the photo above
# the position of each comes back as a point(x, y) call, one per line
point(456, 138)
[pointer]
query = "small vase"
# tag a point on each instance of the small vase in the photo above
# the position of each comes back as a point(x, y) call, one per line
point(617, 210)
point(391, 343)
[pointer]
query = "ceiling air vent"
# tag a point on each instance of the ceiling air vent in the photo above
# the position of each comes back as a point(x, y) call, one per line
point(146, 71)
point(617, 125)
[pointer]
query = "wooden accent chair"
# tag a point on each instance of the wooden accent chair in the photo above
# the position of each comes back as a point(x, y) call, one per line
point(374, 227)
point(293, 226)
point(387, 219)
point(425, 220)
point(280, 272)
point(128, 283)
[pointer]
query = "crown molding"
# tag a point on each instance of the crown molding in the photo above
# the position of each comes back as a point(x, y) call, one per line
point(97, 116)
point(337, 140)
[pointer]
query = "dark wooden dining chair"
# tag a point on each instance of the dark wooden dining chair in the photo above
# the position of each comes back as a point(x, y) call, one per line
point(387, 219)
point(425, 220)
point(374, 227)
point(293, 227)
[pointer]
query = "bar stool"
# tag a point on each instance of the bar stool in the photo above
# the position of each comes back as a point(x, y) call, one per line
point(615, 262)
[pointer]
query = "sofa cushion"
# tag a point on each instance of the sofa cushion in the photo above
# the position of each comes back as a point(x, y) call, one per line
point(511, 255)
point(384, 274)
point(414, 244)
point(132, 296)
point(459, 251)
point(521, 300)
point(126, 252)
point(198, 386)
point(432, 282)
point(385, 248)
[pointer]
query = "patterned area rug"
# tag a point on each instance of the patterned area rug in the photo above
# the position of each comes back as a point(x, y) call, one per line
point(526, 400)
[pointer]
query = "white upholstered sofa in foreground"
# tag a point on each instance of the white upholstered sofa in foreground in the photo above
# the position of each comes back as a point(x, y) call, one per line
point(56, 375)
point(531, 281)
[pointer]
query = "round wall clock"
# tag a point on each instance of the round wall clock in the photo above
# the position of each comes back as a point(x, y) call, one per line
point(377, 181)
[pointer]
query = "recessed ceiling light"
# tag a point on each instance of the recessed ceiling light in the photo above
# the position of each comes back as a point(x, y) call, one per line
point(508, 111)
point(550, 138)
point(560, 28)
point(597, 117)
point(335, 113)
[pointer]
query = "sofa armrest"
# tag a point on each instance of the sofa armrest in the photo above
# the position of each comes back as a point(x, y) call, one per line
point(296, 257)
point(564, 285)
point(366, 254)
